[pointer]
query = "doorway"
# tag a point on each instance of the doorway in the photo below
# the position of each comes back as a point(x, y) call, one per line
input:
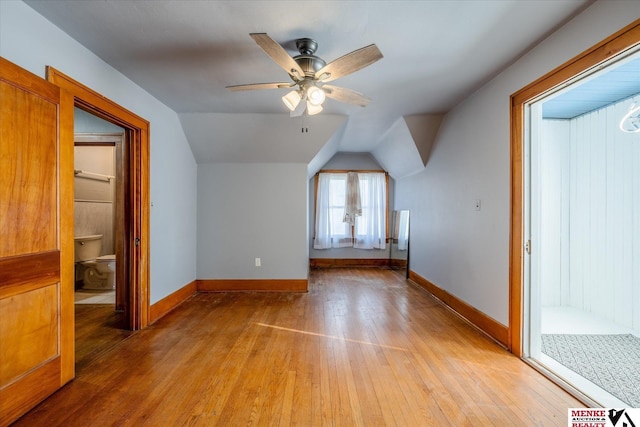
point(38, 255)
point(583, 287)
point(134, 239)
point(101, 276)
point(575, 288)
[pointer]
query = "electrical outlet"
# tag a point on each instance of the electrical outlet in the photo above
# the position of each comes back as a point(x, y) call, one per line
point(258, 262)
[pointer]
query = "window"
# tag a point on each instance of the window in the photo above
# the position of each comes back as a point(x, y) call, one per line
point(333, 229)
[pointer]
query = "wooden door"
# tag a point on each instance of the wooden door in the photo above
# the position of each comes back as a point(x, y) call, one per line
point(36, 241)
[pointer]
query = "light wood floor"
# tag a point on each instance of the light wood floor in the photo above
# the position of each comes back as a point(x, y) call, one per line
point(362, 348)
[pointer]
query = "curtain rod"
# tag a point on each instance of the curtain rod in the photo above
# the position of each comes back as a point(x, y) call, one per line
point(351, 170)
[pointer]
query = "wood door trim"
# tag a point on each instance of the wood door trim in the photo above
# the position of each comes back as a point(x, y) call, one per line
point(349, 262)
point(138, 130)
point(611, 47)
point(95, 103)
point(171, 301)
point(490, 326)
point(252, 285)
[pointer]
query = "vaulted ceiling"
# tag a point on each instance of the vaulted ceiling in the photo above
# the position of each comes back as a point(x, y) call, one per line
point(185, 53)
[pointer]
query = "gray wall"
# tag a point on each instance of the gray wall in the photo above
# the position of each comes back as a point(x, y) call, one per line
point(248, 211)
point(84, 122)
point(462, 250)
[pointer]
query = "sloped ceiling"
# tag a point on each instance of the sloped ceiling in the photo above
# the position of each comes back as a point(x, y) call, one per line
point(268, 138)
point(185, 52)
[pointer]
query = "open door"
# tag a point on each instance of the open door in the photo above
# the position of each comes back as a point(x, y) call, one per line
point(36, 240)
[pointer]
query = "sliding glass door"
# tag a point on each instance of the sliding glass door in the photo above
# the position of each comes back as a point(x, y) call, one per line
point(582, 210)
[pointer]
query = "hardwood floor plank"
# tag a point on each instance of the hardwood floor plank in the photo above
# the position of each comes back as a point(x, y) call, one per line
point(98, 329)
point(370, 402)
point(287, 404)
point(362, 348)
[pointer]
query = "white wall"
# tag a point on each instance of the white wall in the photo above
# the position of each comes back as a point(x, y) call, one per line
point(32, 42)
point(346, 161)
point(550, 210)
point(465, 251)
point(588, 211)
point(248, 211)
point(604, 248)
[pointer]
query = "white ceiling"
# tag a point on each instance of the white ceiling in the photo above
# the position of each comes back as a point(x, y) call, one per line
point(616, 82)
point(184, 53)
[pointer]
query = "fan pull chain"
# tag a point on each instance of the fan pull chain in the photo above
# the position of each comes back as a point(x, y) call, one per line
point(304, 128)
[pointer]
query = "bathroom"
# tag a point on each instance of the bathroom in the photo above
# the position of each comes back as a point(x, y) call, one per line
point(95, 208)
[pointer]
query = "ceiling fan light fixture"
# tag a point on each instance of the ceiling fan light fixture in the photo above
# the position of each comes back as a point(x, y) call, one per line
point(631, 121)
point(315, 95)
point(313, 109)
point(310, 73)
point(292, 99)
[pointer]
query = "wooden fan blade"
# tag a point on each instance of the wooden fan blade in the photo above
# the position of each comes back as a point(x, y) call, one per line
point(257, 86)
point(349, 63)
point(302, 105)
point(278, 54)
point(346, 95)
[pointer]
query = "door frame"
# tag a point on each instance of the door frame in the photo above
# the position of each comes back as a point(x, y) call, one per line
point(137, 244)
point(611, 47)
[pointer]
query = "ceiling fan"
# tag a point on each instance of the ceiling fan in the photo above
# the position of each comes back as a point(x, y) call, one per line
point(310, 74)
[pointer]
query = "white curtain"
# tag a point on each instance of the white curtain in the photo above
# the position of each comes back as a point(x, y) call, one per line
point(331, 231)
point(403, 230)
point(370, 227)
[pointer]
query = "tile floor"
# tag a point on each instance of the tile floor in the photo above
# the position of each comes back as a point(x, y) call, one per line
point(567, 320)
point(83, 296)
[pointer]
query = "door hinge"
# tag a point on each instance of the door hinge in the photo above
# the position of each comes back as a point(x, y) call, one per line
point(527, 247)
point(137, 241)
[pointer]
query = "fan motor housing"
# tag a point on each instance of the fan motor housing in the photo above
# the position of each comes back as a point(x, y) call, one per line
point(308, 62)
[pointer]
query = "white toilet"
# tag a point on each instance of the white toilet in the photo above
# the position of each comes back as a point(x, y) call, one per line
point(99, 271)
